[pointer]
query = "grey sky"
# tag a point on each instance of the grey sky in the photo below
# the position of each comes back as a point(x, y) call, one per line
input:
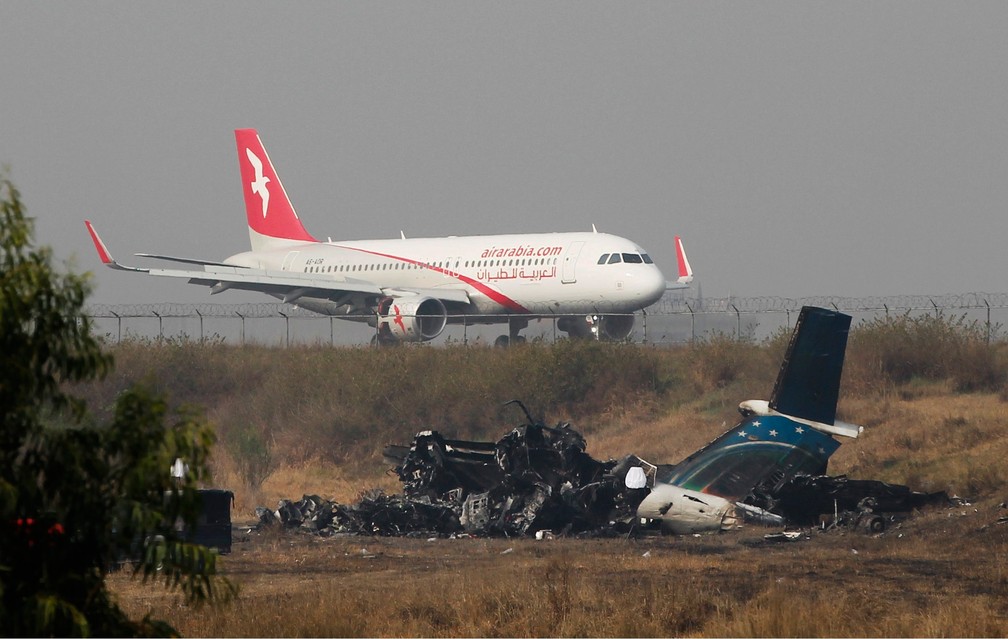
point(799, 148)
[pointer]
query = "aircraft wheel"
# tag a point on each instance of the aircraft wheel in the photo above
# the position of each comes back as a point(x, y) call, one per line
point(503, 341)
point(876, 524)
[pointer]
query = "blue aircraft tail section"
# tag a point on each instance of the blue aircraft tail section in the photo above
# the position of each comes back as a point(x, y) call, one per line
point(808, 384)
point(778, 444)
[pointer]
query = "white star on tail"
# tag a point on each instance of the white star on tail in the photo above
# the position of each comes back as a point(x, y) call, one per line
point(259, 184)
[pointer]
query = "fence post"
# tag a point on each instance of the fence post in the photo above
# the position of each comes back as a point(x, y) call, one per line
point(119, 322)
point(160, 326)
point(988, 322)
point(692, 328)
point(287, 322)
point(243, 326)
point(738, 323)
point(200, 324)
point(644, 323)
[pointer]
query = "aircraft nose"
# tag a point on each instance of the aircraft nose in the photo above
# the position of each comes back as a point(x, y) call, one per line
point(650, 285)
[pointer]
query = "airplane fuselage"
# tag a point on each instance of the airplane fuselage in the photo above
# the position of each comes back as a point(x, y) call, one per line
point(537, 274)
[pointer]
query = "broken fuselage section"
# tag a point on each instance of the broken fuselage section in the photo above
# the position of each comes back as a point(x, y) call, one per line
point(704, 492)
point(789, 435)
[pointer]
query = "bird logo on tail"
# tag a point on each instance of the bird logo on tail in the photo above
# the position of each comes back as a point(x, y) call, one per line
point(259, 184)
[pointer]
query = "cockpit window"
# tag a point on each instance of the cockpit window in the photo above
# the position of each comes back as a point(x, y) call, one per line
point(647, 258)
point(632, 258)
point(614, 258)
point(602, 260)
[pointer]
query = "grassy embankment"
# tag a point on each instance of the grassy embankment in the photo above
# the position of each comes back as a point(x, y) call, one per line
point(315, 419)
point(930, 393)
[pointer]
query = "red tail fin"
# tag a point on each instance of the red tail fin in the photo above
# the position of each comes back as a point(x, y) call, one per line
point(270, 213)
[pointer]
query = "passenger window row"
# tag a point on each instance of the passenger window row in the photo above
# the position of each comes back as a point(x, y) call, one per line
point(396, 266)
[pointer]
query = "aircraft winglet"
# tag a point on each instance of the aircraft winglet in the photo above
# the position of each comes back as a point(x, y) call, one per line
point(103, 253)
point(683, 265)
point(685, 272)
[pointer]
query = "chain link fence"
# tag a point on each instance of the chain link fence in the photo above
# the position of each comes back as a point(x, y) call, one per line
point(675, 319)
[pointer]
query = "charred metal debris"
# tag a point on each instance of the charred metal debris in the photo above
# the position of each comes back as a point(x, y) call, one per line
point(538, 480)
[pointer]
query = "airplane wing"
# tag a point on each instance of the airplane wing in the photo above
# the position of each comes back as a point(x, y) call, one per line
point(445, 294)
point(291, 285)
point(287, 285)
point(183, 260)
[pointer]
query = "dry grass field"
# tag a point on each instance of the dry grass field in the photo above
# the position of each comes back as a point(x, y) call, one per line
point(942, 573)
point(938, 424)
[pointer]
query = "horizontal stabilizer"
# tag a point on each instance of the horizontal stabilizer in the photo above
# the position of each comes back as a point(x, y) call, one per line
point(808, 384)
point(762, 408)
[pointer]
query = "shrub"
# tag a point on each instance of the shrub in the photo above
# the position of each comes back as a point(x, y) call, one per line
point(888, 351)
point(78, 494)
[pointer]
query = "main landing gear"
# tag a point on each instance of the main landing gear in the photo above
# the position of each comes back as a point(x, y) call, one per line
point(515, 324)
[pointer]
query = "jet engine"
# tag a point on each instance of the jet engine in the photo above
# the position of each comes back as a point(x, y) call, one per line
point(411, 319)
point(607, 327)
point(682, 511)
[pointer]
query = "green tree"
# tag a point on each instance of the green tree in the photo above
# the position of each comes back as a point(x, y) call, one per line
point(78, 496)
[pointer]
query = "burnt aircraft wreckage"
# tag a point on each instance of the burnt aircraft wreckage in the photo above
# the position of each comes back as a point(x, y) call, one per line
point(769, 469)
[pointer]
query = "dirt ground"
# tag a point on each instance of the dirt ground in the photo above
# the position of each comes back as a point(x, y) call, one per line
point(941, 572)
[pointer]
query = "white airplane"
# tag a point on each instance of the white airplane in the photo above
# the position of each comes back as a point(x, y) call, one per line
point(409, 289)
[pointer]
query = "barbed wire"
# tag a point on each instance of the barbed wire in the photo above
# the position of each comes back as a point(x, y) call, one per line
point(853, 304)
point(672, 303)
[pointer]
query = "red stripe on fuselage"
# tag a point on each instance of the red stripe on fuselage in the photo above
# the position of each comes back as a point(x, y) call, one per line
point(496, 296)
